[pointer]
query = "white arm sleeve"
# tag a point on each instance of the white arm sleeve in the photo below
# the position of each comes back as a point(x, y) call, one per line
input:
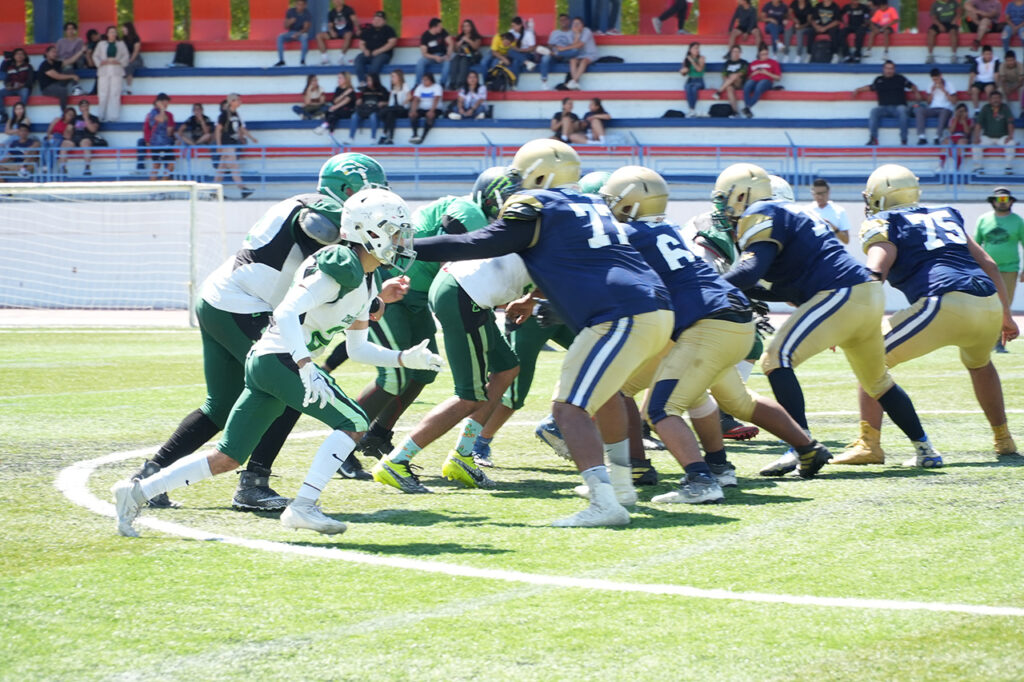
point(300, 299)
point(362, 350)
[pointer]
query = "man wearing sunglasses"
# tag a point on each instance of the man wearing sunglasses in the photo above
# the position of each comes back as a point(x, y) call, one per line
point(1000, 232)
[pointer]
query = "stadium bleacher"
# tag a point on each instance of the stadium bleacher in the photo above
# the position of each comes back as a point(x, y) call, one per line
point(814, 125)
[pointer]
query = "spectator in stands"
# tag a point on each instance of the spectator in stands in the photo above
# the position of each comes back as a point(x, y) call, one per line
point(92, 39)
point(342, 106)
point(982, 79)
point(961, 130)
point(501, 53)
point(773, 15)
point(370, 102)
point(994, 128)
point(831, 213)
point(397, 106)
point(605, 15)
point(678, 9)
point(18, 77)
point(565, 123)
point(297, 22)
point(436, 49)
point(946, 16)
point(593, 124)
point(734, 75)
point(54, 83)
point(21, 157)
point(693, 68)
point(1014, 17)
point(342, 25)
point(134, 44)
point(1009, 77)
point(471, 101)
point(112, 58)
point(197, 129)
point(800, 27)
point(856, 23)
point(58, 137)
point(982, 17)
point(229, 133)
point(584, 37)
point(314, 102)
point(939, 98)
point(426, 101)
point(1000, 232)
point(826, 20)
point(17, 117)
point(765, 72)
point(891, 89)
point(522, 49)
point(466, 54)
point(158, 134)
point(743, 25)
point(86, 134)
point(71, 49)
point(560, 48)
point(379, 42)
point(885, 21)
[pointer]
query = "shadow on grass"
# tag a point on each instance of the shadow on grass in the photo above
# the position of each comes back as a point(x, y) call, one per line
point(536, 488)
point(647, 516)
point(1003, 461)
point(412, 517)
point(410, 549)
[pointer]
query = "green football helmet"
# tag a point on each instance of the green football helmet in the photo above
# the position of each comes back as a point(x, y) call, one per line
point(591, 182)
point(343, 175)
point(493, 186)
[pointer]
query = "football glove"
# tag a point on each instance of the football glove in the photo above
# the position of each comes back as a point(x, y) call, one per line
point(420, 357)
point(546, 314)
point(317, 388)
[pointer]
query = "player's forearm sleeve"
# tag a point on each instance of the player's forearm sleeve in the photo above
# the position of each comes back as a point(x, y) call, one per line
point(754, 262)
point(362, 350)
point(497, 239)
point(287, 314)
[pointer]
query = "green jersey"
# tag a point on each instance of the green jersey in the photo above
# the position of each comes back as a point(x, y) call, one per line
point(1001, 237)
point(447, 215)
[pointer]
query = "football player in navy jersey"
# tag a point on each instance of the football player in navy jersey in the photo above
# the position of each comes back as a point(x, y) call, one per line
point(956, 298)
point(579, 257)
point(839, 302)
point(714, 330)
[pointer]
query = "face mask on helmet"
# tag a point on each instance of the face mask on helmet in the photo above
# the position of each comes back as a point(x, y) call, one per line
point(493, 187)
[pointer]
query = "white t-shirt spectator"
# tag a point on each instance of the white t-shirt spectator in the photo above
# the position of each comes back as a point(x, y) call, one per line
point(471, 99)
point(833, 214)
point(396, 98)
point(428, 94)
point(942, 100)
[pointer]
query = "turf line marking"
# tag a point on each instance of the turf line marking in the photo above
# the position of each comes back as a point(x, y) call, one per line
point(73, 482)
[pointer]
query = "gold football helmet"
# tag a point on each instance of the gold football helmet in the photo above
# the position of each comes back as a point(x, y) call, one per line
point(739, 186)
point(547, 163)
point(634, 192)
point(891, 186)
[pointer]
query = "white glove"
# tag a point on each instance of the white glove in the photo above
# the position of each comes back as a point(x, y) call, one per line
point(420, 357)
point(317, 388)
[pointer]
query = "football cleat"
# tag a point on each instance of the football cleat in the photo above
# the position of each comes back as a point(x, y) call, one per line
point(310, 517)
point(783, 465)
point(604, 510)
point(398, 475)
point(867, 449)
point(927, 457)
point(547, 431)
point(735, 430)
point(375, 446)
point(255, 494)
point(725, 474)
point(811, 462)
point(128, 501)
point(1004, 441)
point(622, 484)
point(463, 468)
point(161, 501)
point(644, 472)
point(353, 468)
point(696, 489)
point(651, 441)
point(482, 455)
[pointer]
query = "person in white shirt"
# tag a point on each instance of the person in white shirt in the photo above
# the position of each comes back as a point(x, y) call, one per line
point(426, 98)
point(941, 96)
point(397, 107)
point(472, 99)
point(982, 78)
point(830, 212)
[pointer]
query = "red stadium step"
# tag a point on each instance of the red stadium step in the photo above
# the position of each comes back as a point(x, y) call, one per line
point(154, 19)
point(211, 21)
point(12, 22)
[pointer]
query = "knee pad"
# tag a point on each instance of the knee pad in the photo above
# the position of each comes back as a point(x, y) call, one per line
point(705, 409)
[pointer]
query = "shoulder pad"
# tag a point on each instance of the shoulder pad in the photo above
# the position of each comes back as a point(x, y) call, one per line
point(521, 207)
point(873, 232)
point(340, 263)
point(752, 228)
point(317, 226)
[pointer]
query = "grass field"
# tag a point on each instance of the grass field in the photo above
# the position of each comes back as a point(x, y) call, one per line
point(79, 602)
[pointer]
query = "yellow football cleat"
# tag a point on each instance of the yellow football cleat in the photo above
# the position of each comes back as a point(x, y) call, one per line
point(1004, 441)
point(867, 449)
point(463, 468)
point(398, 475)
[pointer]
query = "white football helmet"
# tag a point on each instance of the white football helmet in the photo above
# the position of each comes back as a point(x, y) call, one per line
point(781, 189)
point(379, 220)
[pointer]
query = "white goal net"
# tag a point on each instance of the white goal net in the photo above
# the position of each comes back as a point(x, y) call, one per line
point(108, 245)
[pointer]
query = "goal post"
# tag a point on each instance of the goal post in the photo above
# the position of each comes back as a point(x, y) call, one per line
point(109, 245)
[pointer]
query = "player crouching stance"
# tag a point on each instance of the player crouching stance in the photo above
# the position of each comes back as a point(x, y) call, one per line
point(331, 293)
point(957, 299)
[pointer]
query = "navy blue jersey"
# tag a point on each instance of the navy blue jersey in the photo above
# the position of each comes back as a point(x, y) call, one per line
point(809, 258)
point(932, 257)
point(696, 290)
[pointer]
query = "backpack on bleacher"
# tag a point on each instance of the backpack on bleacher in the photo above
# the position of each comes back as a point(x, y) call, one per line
point(184, 55)
point(721, 110)
point(500, 78)
point(822, 51)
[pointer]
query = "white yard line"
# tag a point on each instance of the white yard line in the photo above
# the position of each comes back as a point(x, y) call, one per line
point(73, 482)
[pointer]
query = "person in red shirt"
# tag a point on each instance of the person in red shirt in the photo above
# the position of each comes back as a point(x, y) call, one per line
point(765, 72)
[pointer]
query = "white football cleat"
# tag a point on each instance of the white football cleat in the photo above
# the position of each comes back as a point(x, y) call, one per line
point(927, 457)
point(604, 510)
point(310, 517)
point(694, 490)
point(128, 501)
